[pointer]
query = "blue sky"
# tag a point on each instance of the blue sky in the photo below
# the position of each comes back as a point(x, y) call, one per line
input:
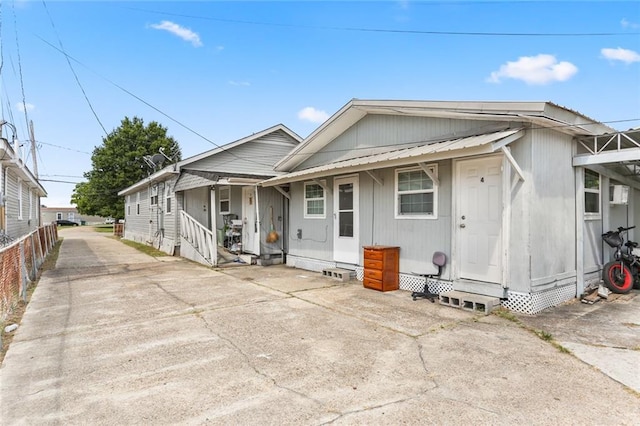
point(225, 70)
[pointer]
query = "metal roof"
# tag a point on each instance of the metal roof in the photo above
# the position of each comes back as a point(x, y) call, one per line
point(472, 145)
point(543, 114)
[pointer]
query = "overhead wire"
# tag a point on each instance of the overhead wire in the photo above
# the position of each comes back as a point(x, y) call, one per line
point(24, 99)
point(386, 30)
point(128, 92)
point(73, 71)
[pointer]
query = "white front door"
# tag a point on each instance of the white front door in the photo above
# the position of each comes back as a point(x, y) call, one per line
point(479, 219)
point(250, 237)
point(346, 241)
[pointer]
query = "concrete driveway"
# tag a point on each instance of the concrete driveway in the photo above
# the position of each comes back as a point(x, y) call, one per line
point(113, 336)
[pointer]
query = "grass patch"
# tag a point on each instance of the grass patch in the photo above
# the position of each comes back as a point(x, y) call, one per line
point(546, 336)
point(151, 251)
point(18, 311)
point(104, 228)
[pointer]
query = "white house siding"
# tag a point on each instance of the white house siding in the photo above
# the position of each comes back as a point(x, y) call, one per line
point(389, 131)
point(552, 210)
point(256, 157)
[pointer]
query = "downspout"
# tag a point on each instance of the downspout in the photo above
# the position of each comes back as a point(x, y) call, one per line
point(3, 199)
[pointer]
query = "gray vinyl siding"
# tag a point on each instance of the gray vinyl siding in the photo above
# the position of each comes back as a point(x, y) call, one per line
point(417, 238)
point(519, 249)
point(552, 209)
point(376, 131)
point(18, 224)
point(317, 233)
point(256, 157)
point(197, 203)
point(137, 225)
point(270, 198)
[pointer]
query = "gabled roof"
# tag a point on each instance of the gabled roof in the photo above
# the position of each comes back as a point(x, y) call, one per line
point(174, 169)
point(544, 114)
point(242, 141)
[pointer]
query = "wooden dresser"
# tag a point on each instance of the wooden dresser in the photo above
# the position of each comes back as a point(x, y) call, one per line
point(381, 267)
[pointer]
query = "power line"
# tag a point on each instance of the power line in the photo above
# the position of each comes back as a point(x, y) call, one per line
point(24, 99)
point(63, 147)
point(384, 30)
point(73, 71)
point(184, 126)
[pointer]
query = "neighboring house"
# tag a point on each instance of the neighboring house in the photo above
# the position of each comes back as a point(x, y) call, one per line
point(20, 193)
point(51, 214)
point(510, 191)
point(212, 200)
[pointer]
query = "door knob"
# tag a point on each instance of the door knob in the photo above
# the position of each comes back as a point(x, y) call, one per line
point(462, 225)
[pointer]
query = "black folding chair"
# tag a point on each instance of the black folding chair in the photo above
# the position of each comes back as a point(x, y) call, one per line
point(439, 260)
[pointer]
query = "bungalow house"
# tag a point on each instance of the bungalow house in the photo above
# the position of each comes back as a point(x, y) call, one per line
point(516, 194)
point(20, 193)
point(208, 208)
point(52, 214)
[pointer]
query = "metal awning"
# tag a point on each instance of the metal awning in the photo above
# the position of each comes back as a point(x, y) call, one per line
point(433, 151)
point(190, 179)
point(614, 154)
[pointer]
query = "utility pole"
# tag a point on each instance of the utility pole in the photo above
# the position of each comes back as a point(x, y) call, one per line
point(33, 149)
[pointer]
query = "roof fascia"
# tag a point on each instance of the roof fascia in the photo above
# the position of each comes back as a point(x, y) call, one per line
point(156, 177)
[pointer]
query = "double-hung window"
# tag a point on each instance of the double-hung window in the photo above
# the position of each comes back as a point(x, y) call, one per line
point(314, 201)
point(225, 199)
point(591, 194)
point(416, 193)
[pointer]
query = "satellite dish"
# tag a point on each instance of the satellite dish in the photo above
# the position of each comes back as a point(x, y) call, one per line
point(157, 159)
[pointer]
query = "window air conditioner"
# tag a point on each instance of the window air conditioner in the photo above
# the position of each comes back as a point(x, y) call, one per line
point(619, 194)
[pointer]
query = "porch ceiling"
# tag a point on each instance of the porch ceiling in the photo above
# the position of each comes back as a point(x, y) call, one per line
point(426, 152)
point(614, 154)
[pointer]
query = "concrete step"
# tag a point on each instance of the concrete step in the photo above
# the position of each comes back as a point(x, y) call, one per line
point(339, 274)
point(469, 301)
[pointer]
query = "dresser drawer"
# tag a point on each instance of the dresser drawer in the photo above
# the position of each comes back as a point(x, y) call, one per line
point(373, 264)
point(374, 284)
point(373, 254)
point(373, 274)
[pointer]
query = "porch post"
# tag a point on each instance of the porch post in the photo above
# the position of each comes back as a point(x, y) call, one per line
point(579, 176)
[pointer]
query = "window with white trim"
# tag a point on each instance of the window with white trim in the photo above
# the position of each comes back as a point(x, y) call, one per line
point(153, 196)
point(416, 193)
point(315, 202)
point(19, 199)
point(225, 199)
point(129, 205)
point(59, 216)
point(30, 204)
point(137, 203)
point(591, 194)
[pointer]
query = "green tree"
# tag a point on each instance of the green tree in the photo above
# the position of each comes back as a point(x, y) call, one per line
point(118, 163)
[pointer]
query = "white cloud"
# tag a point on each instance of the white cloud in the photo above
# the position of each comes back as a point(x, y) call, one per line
point(239, 83)
point(22, 107)
point(184, 33)
point(620, 54)
point(628, 24)
point(313, 115)
point(540, 69)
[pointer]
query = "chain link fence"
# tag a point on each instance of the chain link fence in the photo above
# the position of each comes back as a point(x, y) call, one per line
point(20, 261)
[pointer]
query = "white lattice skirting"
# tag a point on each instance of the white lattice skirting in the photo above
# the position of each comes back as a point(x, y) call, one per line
point(526, 303)
point(533, 303)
